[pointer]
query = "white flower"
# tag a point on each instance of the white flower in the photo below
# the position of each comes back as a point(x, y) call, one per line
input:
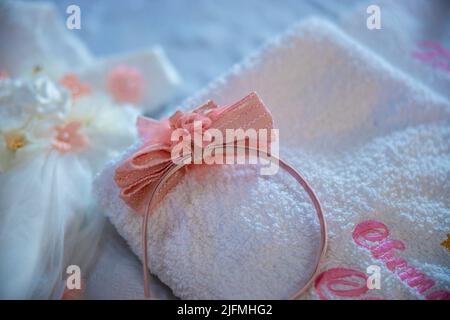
point(29, 109)
point(22, 101)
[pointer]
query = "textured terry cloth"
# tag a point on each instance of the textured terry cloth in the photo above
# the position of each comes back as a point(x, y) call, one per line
point(373, 142)
point(408, 28)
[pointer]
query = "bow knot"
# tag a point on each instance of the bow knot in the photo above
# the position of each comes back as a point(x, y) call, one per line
point(139, 175)
point(181, 120)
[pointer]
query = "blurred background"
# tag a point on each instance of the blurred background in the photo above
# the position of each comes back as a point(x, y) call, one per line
point(203, 38)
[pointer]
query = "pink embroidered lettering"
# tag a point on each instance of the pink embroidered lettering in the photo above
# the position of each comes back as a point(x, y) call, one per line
point(372, 235)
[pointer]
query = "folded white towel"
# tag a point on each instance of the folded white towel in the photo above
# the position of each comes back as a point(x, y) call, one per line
point(373, 142)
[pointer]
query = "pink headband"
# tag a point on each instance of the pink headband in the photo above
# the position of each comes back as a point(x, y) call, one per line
point(150, 173)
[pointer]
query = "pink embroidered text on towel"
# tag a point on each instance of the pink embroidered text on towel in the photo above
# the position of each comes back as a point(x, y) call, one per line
point(350, 283)
point(434, 54)
point(373, 235)
point(341, 283)
point(138, 176)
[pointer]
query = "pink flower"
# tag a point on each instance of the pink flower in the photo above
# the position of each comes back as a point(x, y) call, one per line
point(4, 75)
point(68, 138)
point(126, 84)
point(75, 86)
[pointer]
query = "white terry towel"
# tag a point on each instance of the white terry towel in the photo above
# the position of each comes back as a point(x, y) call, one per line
point(414, 36)
point(373, 142)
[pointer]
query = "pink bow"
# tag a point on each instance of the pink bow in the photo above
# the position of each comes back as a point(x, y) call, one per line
point(138, 176)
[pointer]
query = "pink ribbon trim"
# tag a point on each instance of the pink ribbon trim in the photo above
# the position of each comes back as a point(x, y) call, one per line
point(138, 176)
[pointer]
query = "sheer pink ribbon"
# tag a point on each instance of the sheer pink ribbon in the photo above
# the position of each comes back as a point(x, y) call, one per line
point(147, 176)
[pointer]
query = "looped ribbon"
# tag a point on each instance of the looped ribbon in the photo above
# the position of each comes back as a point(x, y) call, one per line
point(138, 176)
